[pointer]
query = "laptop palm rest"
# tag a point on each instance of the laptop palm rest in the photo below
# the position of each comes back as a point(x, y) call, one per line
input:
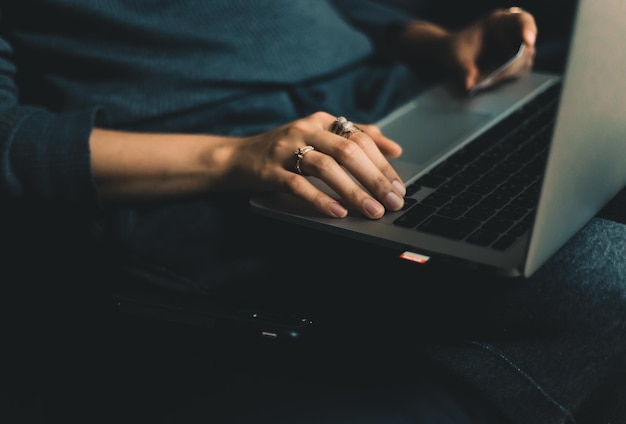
point(426, 134)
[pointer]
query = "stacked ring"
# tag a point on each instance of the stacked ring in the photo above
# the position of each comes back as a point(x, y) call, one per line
point(299, 154)
point(513, 10)
point(343, 127)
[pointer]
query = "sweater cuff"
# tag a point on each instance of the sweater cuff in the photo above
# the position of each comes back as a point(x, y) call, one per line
point(49, 159)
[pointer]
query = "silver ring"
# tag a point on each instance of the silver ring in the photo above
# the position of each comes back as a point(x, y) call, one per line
point(343, 127)
point(299, 154)
point(513, 10)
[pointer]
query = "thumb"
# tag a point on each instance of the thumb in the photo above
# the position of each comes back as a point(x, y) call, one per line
point(471, 75)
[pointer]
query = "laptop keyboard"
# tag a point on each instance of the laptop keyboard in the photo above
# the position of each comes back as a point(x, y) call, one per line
point(486, 193)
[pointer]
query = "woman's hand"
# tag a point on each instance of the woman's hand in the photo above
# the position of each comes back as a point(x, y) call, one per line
point(137, 167)
point(488, 43)
point(470, 54)
point(354, 166)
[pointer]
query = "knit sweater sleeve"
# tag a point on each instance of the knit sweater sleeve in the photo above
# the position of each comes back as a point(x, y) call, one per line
point(44, 157)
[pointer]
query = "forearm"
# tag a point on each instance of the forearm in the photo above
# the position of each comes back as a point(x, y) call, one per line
point(144, 166)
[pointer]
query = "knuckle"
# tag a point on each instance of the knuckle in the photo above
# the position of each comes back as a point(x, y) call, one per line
point(265, 171)
point(346, 150)
point(357, 195)
point(293, 183)
point(382, 184)
point(299, 127)
point(319, 200)
point(386, 168)
point(322, 165)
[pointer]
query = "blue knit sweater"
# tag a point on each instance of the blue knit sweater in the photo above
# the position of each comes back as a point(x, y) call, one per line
point(69, 65)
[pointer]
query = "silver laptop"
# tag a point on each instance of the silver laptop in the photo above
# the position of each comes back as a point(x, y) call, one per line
point(462, 206)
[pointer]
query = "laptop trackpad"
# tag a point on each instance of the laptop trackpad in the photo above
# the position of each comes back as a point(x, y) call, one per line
point(426, 134)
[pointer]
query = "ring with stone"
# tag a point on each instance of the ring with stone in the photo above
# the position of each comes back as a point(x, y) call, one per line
point(343, 127)
point(299, 154)
point(513, 10)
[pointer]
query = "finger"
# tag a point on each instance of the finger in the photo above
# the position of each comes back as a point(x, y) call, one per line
point(373, 155)
point(472, 75)
point(468, 69)
point(365, 161)
point(351, 164)
point(528, 28)
point(370, 148)
point(327, 169)
point(321, 201)
point(529, 37)
point(356, 170)
point(467, 46)
point(387, 146)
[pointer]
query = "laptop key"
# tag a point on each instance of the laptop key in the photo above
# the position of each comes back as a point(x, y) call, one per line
point(431, 180)
point(480, 213)
point(411, 189)
point(436, 199)
point(498, 225)
point(482, 237)
point(414, 215)
point(452, 210)
point(408, 202)
point(456, 229)
point(504, 242)
point(519, 229)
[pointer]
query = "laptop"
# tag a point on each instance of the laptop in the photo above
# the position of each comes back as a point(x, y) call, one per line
point(500, 180)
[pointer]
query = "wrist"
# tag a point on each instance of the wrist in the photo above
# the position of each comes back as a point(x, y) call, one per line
point(423, 45)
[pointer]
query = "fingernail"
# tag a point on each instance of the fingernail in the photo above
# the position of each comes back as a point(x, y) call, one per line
point(373, 208)
point(531, 37)
point(393, 201)
point(337, 210)
point(399, 187)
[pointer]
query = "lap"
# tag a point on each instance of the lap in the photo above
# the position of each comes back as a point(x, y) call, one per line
point(552, 340)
